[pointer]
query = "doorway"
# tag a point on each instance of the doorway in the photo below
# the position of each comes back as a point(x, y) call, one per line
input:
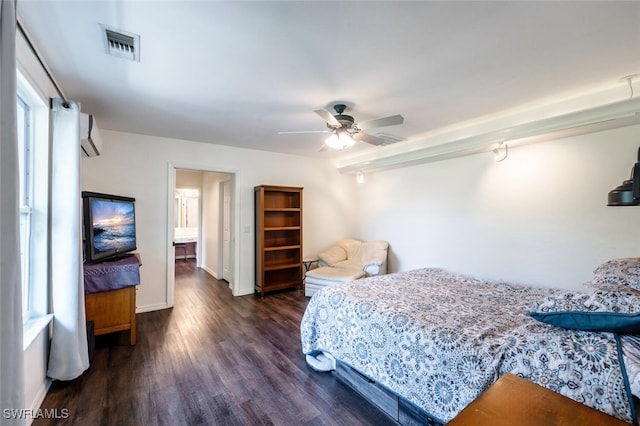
point(188, 227)
point(201, 212)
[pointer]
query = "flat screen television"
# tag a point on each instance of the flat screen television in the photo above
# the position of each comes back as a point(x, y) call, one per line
point(109, 226)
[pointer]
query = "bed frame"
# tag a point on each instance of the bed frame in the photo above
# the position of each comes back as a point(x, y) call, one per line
point(394, 406)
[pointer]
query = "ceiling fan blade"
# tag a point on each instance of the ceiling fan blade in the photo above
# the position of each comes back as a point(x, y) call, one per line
point(381, 122)
point(363, 137)
point(328, 117)
point(303, 132)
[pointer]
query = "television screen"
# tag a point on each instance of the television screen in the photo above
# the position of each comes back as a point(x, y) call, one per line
point(110, 228)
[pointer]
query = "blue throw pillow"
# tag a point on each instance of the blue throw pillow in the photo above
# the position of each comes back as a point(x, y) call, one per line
point(610, 311)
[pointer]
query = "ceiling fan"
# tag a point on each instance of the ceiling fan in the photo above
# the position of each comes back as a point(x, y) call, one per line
point(345, 131)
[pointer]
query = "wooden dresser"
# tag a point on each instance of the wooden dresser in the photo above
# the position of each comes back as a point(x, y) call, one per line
point(110, 296)
point(514, 401)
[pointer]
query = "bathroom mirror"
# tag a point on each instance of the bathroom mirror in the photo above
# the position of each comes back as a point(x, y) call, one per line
point(187, 205)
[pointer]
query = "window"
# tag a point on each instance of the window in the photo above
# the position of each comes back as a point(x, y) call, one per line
point(33, 163)
point(25, 164)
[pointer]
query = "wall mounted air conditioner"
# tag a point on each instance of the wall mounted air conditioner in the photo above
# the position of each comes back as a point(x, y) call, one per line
point(90, 142)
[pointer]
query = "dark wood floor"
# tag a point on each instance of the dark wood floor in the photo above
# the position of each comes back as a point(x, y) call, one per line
point(213, 359)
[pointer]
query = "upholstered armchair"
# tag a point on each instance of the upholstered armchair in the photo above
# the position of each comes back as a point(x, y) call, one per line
point(347, 260)
point(367, 256)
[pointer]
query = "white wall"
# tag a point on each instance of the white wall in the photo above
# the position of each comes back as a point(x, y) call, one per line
point(538, 217)
point(137, 166)
point(189, 179)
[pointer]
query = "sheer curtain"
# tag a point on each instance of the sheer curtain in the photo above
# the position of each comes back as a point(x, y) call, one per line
point(11, 359)
point(69, 356)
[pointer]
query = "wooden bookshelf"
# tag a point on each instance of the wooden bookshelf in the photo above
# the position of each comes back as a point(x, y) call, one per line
point(278, 216)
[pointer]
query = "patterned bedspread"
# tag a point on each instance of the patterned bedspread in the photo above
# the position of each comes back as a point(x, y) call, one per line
point(439, 339)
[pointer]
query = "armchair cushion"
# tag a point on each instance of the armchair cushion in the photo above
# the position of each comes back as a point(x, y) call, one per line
point(332, 256)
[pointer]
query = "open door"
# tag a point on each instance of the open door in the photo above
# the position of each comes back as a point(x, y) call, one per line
point(226, 231)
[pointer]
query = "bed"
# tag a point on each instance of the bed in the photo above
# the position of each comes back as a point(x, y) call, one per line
point(437, 339)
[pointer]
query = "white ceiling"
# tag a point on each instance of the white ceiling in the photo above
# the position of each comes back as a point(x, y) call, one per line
point(235, 73)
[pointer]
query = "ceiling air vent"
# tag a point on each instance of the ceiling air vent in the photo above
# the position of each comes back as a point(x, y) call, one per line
point(389, 139)
point(122, 44)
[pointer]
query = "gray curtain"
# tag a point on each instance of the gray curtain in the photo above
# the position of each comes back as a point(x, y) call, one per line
point(69, 356)
point(11, 357)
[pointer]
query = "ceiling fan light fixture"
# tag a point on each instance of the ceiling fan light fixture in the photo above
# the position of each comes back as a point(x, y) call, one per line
point(340, 139)
point(345, 132)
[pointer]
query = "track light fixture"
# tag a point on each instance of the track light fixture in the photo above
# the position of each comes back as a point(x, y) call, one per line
point(628, 193)
point(500, 152)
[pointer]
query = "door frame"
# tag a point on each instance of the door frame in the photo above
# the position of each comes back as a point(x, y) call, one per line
point(170, 231)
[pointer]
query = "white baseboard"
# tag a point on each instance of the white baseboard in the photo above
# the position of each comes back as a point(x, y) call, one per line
point(211, 272)
point(151, 308)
